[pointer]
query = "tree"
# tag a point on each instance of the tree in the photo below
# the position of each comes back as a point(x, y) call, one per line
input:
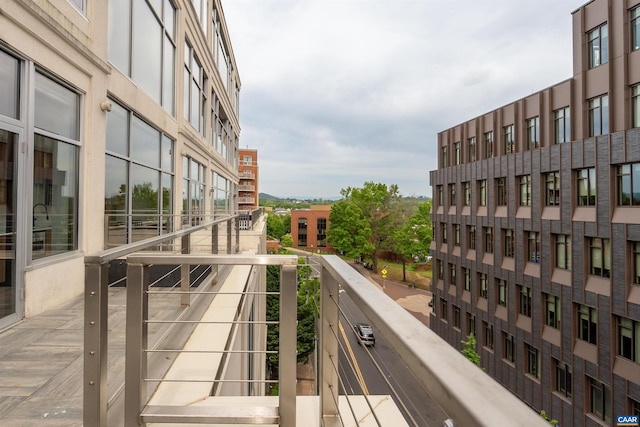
point(414, 238)
point(469, 350)
point(275, 226)
point(360, 222)
point(286, 241)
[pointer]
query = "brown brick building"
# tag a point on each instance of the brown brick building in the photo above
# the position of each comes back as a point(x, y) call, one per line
point(309, 228)
point(537, 230)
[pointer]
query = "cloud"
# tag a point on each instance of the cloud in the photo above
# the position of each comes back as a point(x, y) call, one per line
point(339, 92)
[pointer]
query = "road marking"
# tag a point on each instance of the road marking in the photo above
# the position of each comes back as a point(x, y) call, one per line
point(355, 362)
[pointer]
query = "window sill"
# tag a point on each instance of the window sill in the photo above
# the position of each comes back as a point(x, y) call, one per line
point(598, 285)
point(562, 396)
point(532, 377)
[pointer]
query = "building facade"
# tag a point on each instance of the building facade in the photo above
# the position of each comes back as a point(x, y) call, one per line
point(309, 228)
point(536, 226)
point(118, 121)
point(248, 195)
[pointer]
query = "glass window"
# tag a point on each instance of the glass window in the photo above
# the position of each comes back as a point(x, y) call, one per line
point(452, 195)
point(443, 229)
point(483, 192)
point(629, 339)
point(195, 81)
point(440, 195)
point(508, 347)
point(635, 248)
point(509, 140)
point(321, 237)
point(552, 189)
point(563, 251)
point(456, 234)
point(456, 153)
point(503, 292)
point(598, 45)
point(472, 148)
point(635, 106)
point(533, 247)
point(467, 279)
point(9, 86)
point(533, 361)
point(444, 159)
point(487, 335)
point(525, 190)
point(524, 306)
point(509, 243)
point(599, 400)
point(443, 309)
point(600, 256)
point(483, 288)
point(562, 125)
point(628, 184)
point(563, 378)
point(456, 316)
point(471, 324)
point(145, 51)
point(302, 231)
point(599, 115)
point(587, 324)
point(57, 108)
point(502, 190)
point(471, 237)
point(440, 269)
point(533, 133)
point(552, 311)
point(635, 28)
point(488, 145)
point(452, 274)
point(221, 194)
point(488, 239)
point(466, 187)
point(587, 186)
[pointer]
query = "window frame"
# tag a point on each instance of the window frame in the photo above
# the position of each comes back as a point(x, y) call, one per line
point(627, 176)
point(488, 145)
point(471, 238)
point(532, 360)
point(562, 378)
point(483, 286)
point(552, 189)
point(524, 300)
point(502, 293)
point(487, 234)
point(471, 149)
point(482, 192)
point(533, 133)
point(509, 240)
point(562, 125)
point(603, 411)
point(524, 183)
point(598, 115)
point(509, 139)
point(552, 310)
point(586, 189)
point(502, 191)
point(587, 328)
point(563, 249)
point(598, 46)
point(508, 348)
point(604, 246)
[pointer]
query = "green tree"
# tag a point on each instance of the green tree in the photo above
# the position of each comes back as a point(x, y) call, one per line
point(414, 238)
point(469, 350)
point(361, 221)
point(286, 241)
point(275, 226)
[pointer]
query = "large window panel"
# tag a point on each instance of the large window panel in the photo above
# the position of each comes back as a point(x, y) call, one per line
point(145, 143)
point(9, 86)
point(57, 108)
point(146, 50)
point(145, 183)
point(118, 130)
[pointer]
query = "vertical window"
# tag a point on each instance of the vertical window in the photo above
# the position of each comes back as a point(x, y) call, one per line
point(502, 295)
point(247, 160)
point(471, 324)
point(525, 190)
point(635, 407)
point(563, 251)
point(9, 86)
point(456, 153)
point(598, 45)
point(200, 7)
point(524, 304)
point(194, 89)
point(456, 234)
point(635, 249)
point(488, 145)
point(508, 347)
point(587, 324)
point(533, 247)
point(599, 400)
point(509, 142)
point(502, 190)
point(533, 133)
point(488, 239)
point(471, 147)
point(562, 125)
point(467, 279)
point(221, 195)
point(456, 316)
point(629, 184)
point(483, 288)
point(487, 335)
point(444, 160)
point(635, 28)
point(440, 270)
point(79, 4)
point(483, 192)
point(321, 224)
point(552, 311)
point(452, 274)
point(509, 243)
point(635, 106)
point(533, 361)
point(471, 238)
point(443, 229)
point(586, 180)
point(452, 194)
point(600, 256)
point(145, 51)
point(466, 188)
point(552, 189)
point(440, 195)
point(599, 115)
point(302, 231)
point(443, 309)
point(629, 339)
point(193, 185)
point(219, 51)
point(563, 378)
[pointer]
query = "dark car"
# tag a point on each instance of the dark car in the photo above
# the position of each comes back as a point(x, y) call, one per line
point(365, 334)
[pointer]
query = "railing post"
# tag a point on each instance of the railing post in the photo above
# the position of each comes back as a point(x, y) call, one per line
point(328, 360)
point(215, 235)
point(185, 282)
point(237, 221)
point(229, 235)
point(288, 345)
point(96, 299)
point(135, 391)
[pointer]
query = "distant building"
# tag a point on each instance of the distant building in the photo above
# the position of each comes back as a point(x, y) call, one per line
point(309, 228)
point(248, 198)
point(536, 222)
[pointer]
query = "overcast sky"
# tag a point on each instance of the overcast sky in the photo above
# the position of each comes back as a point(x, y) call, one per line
point(337, 93)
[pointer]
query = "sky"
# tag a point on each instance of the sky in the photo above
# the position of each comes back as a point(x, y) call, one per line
point(336, 93)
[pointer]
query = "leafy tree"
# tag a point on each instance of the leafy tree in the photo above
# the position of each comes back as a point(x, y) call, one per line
point(275, 226)
point(286, 241)
point(469, 350)
point(361, 221)
point(414, 238)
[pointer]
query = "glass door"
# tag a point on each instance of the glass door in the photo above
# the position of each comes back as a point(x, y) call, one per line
point(8, 291)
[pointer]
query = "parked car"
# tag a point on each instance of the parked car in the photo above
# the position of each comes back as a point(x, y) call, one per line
point(364, 332)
